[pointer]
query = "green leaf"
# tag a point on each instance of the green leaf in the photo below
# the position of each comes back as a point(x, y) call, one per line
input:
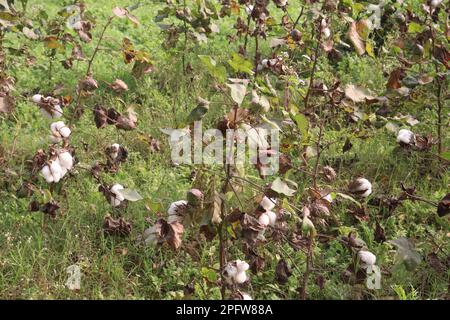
point(209, 274)
point(446, 155)
point(219, 72)
point(239, 64)
point(303, 125)
point(414, 27)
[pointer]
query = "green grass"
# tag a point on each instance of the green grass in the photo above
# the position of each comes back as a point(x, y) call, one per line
point(36, 250)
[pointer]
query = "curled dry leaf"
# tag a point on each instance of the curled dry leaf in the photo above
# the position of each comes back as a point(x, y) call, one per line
point(444, 206)
point(395, 78)
point(329, 174)
point(357, 93)
point(358, 43)
point(117, 227)
point(282, 272)
point(250, 227)
point(50, 208)
point(88, 84)
point(119, 86)
point(100, 116)
point(163, 232)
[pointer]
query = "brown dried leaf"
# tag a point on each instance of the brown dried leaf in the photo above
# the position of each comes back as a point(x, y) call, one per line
point(282, 272)
point(6, 104)
point(117, 227)
point(444, 206)
point(354, 37)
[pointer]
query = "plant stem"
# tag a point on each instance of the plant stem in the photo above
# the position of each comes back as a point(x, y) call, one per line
point(88, 71)
point(309, 265)
point(319, 151)
point(314, 67)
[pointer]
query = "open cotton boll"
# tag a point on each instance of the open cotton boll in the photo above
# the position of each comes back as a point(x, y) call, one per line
point(326, 33)
point(367, 258)
point(246, 296)
point(66, 160)
point(435, 3)
point(272, 218)
point(264, 219)
point(328, 198)
point(405, 136)
point(37, 98)
point(115, 151)
point(249, 9)
point(57, 111)
point(56, 171)
point(361, 187)
point(176, 211)
point(116, 198)
point(242, 265)
point(240, 277)
point(268, 204)
point(47, 174)
point(230, 272)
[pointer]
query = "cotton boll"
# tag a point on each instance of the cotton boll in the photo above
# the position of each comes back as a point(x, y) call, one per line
point(249, 9)
point(367, 258)
point(56, 171)
point(435, 3)
point(272, 218)
point(230, 272)
point(115, 151)
point(267, 203)
point(264, 219)
point(246, 296)
point(47, 174)
point(328, 198)
point(405, 136)
point(326, 32)
point(66, 160)
point(176, 211)
point(65, 132)
point(37, 98)
point(361, 187)
point(57, 111)
point(240, 277)
point(116, 198)
point(242, 265)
